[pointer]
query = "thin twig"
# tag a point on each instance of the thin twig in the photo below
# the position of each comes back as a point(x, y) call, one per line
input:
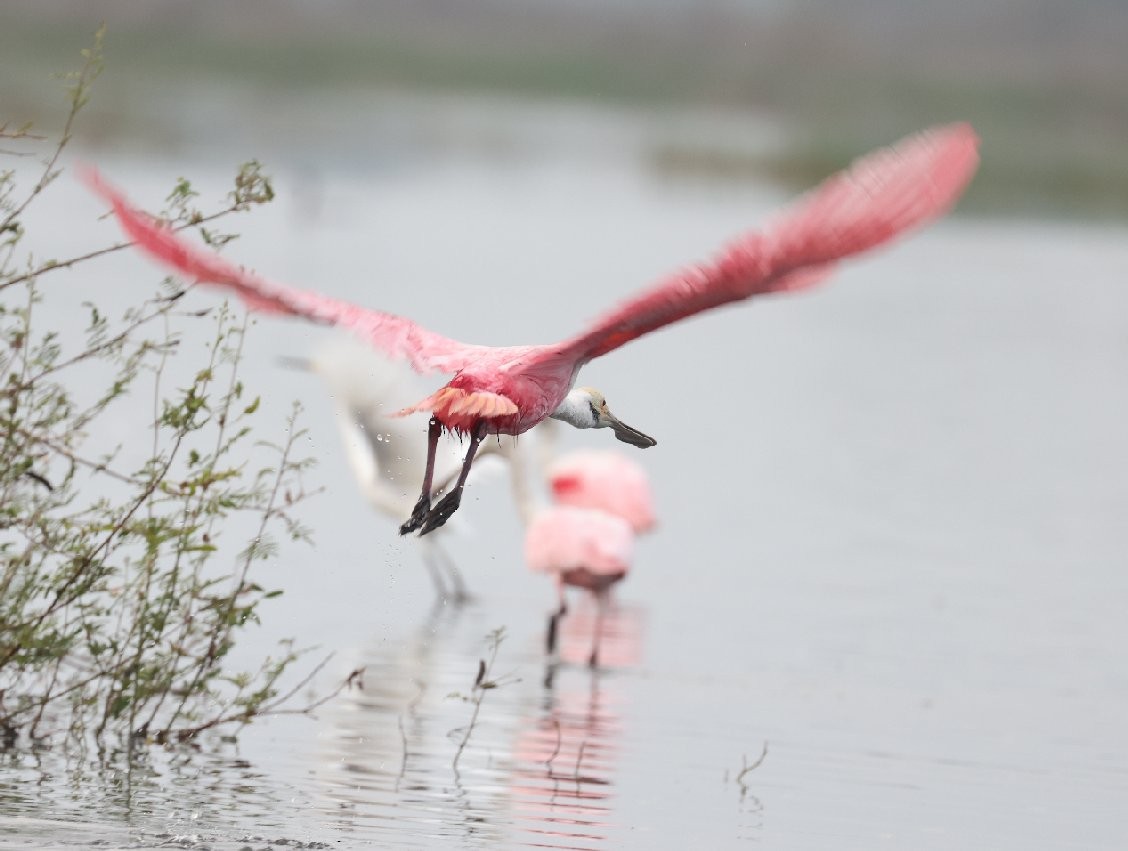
point(55, 265)
point(86, 76)
point(22, 133)
point(482, 684)
point(746, 768)
point(306, 680)
point(245, 715)
point(556, 751)
point(96, 466)
point(59, 599)
point(219, 637)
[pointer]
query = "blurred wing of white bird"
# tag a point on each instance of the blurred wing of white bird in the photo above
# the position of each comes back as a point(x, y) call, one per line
point(384, 452)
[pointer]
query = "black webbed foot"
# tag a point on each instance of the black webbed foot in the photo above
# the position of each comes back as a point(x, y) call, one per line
point(442, 511)
point(418, 515)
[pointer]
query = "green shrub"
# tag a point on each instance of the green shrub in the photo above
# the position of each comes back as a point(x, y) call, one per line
point(118, 607)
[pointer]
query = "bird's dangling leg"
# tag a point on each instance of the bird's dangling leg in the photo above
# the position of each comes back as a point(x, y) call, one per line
point(423, 505)
point(446, 506)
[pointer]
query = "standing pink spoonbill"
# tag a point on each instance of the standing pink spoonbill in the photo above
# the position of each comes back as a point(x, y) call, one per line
point(583, 548)
point(508, 390)
point(586, 540)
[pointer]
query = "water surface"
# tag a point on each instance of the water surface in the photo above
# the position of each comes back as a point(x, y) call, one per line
point(891, 545)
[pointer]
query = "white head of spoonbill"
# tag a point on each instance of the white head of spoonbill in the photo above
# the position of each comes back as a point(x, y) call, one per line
point(585, 407)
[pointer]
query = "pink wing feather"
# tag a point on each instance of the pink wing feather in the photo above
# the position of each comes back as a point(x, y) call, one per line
point(395, 335)
point(880, 196)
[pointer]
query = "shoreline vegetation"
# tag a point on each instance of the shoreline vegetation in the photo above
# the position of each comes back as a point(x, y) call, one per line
point(1047, 101)
point(121, 591)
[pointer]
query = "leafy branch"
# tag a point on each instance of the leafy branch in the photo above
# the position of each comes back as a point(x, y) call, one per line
point(121, 596)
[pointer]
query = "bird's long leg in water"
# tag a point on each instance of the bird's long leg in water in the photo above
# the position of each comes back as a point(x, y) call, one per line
point(423, 505)
point(446, 506)
point(600, 611)
point(554, 620)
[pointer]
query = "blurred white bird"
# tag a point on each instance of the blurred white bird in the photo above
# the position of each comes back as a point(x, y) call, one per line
point(383, 451)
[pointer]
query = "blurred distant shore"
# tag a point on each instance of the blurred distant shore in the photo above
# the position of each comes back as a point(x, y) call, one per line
point(1045, 84)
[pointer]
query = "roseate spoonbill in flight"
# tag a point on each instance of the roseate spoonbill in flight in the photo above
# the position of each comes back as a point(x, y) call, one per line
point(586, 540)
point(382, 450)
point(508, 390)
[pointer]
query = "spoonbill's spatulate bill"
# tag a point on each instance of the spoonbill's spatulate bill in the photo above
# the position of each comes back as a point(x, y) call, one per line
point(507, 390)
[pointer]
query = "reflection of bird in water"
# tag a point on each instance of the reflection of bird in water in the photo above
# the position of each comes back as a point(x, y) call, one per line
point(563, 766)
point(564, 758)
point(382, 449)
point(588, 541)
point(508, 390)
point(385, 749)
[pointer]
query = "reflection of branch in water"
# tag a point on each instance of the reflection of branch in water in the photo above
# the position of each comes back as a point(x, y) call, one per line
point(403, 763)
point(752, 807)
point(411, 710)
point(580, 758)
point(746, 768)
point(565, 764)
point(127, 785)
point(556, 750)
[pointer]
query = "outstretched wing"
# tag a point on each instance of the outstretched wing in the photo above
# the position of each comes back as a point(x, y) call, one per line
point(880, 196)
point(396, 336)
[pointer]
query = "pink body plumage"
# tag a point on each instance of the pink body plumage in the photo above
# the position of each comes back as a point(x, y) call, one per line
point(584, 547)
point(605, 480)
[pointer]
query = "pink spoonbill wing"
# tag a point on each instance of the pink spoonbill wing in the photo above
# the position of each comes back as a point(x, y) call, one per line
point(396, 336)
point(882, 195)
